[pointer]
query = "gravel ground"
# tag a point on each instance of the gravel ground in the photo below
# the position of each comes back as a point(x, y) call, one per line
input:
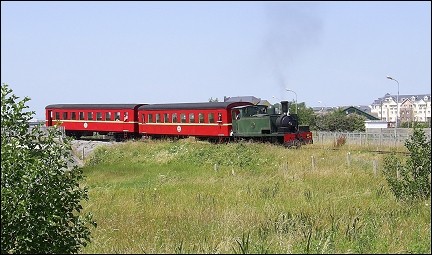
point(82, 149)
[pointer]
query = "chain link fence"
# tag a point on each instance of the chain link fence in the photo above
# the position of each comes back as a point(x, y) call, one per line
point(44, 128)
point(381, 137)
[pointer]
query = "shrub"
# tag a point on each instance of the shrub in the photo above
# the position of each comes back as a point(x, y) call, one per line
point(341, 140)
point(40, 191)
point(411, 180)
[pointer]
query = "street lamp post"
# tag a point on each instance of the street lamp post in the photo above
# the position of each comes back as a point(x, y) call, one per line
point(295, 99)
point(397, 105)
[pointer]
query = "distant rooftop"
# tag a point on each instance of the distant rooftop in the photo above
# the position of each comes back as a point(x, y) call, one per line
point(412, 97)
point(251, 99)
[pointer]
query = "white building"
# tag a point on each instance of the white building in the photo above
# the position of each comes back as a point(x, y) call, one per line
point(412, 108)
point(372, 124)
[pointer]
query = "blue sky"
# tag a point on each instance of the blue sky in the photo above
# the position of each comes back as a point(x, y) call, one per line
point(338, 53)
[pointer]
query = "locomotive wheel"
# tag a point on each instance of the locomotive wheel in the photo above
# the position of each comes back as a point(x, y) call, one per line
point(295, 144)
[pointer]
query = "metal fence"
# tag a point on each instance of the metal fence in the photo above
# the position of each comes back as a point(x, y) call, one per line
point(44, 128)
point(381, 137)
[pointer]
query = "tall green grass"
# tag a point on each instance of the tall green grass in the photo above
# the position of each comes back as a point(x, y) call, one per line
point(196, 197)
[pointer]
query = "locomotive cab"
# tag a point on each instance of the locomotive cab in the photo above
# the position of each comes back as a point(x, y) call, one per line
point(251, 120)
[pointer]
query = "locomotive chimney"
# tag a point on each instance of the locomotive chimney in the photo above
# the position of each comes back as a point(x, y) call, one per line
point(284, 105)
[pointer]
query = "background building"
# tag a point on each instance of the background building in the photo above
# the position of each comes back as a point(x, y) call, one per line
point(412, 108)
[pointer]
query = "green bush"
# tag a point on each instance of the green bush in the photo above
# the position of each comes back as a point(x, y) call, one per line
point(339, 121)
point(40, 190)
point(412, 179)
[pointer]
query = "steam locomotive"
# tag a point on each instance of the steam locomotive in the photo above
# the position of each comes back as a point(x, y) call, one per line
point(221, 121)
point(263, 124)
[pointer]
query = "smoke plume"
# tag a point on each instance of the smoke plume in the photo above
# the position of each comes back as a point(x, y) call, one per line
point(293, 27)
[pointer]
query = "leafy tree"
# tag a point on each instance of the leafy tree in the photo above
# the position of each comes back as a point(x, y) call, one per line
point(305, 114)
point(417, 124)
point(412, 179)
point(339, 121)
point(40, 189)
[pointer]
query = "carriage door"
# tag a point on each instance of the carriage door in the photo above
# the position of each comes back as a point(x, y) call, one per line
point(234, 116)
point(126, 125)
point(49, 118)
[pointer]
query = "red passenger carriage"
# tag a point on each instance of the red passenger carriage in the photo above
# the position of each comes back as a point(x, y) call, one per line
point(78, 120)
point(210, 119)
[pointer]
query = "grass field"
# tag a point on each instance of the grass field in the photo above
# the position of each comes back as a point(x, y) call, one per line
point(195, 197)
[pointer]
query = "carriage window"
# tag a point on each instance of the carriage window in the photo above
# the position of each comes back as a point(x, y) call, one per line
point(117, 115)
point(174, 117)
point(183, 118)
point(57, 115)
point(90, 115)
point(65, 115)
point(211, 117)
point(142, 118)
point(191, 118)
point(201, 118)
point(158, 118)
point(73, 116)
point(98, 116)
point(126, 116)
point(166, 118)
point(81, 115)
point(150, 118)
point(108, 116)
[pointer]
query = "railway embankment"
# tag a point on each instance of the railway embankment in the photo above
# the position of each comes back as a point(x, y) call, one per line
point(81, 149)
